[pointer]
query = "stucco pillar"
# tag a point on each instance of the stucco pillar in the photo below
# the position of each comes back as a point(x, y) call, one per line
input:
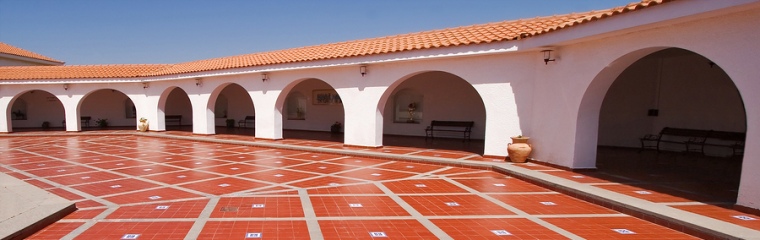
point(268, 114)
point(71, 112)
point(5, 118)
point(503, 120)
point(203, 117)
point(363, 124)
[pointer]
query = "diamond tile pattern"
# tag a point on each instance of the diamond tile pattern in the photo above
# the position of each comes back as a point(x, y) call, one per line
point(240, 192)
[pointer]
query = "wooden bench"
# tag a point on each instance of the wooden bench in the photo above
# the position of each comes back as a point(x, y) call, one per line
point(248, 119)
point(85, 121)
point(695, 140)
point(464, 127)
point(173, 119)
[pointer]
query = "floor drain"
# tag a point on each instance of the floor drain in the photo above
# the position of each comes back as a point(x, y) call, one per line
point(228, 209)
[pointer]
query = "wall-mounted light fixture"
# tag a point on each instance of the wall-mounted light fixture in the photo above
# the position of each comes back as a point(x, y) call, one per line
point(198, 82)
point(363, 70)
point(264, 77)
point(145, 85)
point(66, 86)
point(547, 56)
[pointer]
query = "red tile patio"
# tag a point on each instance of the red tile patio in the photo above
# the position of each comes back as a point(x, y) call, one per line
point(248, 192)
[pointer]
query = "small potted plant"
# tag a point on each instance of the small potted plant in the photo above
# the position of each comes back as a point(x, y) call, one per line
point(230, 123)
point(45, 125)
point(102, 122)
point(143, 125)
point(335, 128)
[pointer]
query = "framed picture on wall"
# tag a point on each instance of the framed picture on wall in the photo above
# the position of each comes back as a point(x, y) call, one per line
point(325, 97)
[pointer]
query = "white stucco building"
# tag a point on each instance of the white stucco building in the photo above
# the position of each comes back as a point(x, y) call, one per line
point(694, 61)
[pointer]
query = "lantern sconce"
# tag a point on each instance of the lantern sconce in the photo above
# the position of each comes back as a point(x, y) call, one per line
point(264, 77)
point(66, 86)
point(198, 82)
point(363, 70)
point(548, 56)
point(145, 85)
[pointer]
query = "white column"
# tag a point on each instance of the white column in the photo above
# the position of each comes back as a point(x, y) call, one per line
point(363, 120)
point(268, 116)
point(203, 117)
point(71, 111)
point(5, 118)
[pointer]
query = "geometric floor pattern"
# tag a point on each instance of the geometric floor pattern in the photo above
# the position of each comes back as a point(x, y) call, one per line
point(133, 187)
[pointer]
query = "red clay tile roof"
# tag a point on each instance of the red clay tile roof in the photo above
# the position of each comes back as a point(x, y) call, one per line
point(8, 49)
point(78, 71)
point(475, 34)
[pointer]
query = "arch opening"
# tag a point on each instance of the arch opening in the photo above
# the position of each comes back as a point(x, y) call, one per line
point(234, 111)
point(414, 102)
point(107, 108)
point(310, 109)
point(693, 107)
point(36, 109)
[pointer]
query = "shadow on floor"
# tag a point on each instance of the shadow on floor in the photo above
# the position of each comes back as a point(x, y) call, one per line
point(692, 176)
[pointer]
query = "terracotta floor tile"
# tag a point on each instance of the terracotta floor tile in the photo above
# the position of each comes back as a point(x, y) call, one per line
point(495, 228)
point(147, 170)
point(605, 228)
point(411, 167)
point(578, 177)
point(643, 193)
point(260, 229)
point(326, 168)
point(349, 206)
point(452, 205)
point(316, 156)
point(65, 194)
point(260, 207)
point(234, 169)
point(277, 162)
point(323, 182)
point(114, 187)
point(481, 174)
point(223, 186)
point(119, 164)
point(197, 163)
point(55, 231)
point(279, 175)
point(84, 214)
point(423, 186)
point(358, 161)
point(88, 203)
point(85, 178)
point(724, 214)
point(501, 185)
point(60, 170)
point(180, 209)
point(367, 188)
point(160, 194)
point(548, 204)
point(146, 230)
point(38, 183)
point(42, 165)
point(182, 177)
point(376, 174)
point(361, 229)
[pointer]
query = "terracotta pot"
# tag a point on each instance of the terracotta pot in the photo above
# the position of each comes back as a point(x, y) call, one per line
point(142, 126)
point(519, 149)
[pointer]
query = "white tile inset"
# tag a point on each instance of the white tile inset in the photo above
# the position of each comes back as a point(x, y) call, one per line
point(224, 185)
point(257, 205)
point(162, 207)
point(420, 185)
point(623, 231)
point(115, 186)
point(130, 236)
point(253, 235)
point(501, 232)
point(548, 203)
point(377, 234)
point(452, 204)
point(355, 205)
point(745, 218)
point(154, 197)
point(643, 192)
point(499, 184)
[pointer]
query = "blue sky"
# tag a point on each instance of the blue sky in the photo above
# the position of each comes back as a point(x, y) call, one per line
point(172, 31)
